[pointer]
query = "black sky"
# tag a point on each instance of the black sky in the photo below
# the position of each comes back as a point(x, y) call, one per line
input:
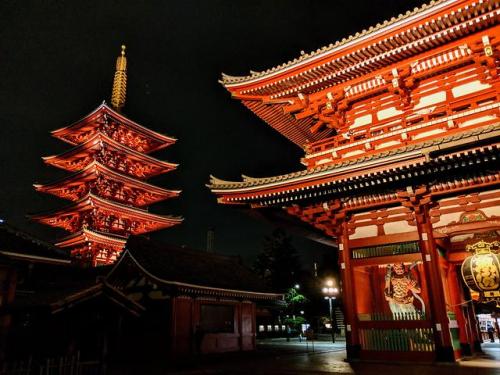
point(57, 63)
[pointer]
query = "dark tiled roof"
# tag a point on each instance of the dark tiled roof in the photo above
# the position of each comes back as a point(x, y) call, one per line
point(13, 240)
point(53, 283)
point(182, 265)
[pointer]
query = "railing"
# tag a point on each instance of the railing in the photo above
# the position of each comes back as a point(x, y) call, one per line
point(397, 340)
point(418, 315)
point(67, 365)
point(386, 250)
point(17, 368)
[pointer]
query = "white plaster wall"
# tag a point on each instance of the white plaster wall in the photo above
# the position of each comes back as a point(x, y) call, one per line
point(362, 232)
point(398, 227)
point(468, 88)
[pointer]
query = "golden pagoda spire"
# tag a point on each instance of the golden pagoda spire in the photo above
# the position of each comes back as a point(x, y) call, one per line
point(120, 82)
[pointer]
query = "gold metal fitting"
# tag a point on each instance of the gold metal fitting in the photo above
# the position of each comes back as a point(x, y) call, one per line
point(119, 92)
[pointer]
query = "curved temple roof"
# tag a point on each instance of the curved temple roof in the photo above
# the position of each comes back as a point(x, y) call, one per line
point(92, 201)
point(61, 160)
point(238, 192)
point(93, 117)
point(351, 42)
point(355, 67)
point(91, 172)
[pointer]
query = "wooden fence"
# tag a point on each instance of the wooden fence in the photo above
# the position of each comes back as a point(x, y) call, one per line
point(67, 365)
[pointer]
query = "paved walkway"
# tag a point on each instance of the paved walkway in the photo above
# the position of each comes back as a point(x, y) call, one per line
point(278, 357)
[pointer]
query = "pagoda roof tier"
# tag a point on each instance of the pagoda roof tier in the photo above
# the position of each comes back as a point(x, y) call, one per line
point(371, 171)
point(357, 65)
point(99, 210)
point(86, 235)
point(118, 127)
point(99, 248)
point(133, 191)
point(136, 164)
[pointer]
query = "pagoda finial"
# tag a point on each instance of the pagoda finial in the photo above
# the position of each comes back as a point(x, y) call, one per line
point(120, 82)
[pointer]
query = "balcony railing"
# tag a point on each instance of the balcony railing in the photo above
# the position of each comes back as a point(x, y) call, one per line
point(386, 250)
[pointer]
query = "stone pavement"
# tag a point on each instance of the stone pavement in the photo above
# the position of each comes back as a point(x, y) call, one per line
point(278, 357)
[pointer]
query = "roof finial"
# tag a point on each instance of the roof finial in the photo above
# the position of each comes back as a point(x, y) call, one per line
point(120, 82)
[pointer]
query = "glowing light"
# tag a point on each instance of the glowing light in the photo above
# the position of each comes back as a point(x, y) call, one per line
point(329, 283)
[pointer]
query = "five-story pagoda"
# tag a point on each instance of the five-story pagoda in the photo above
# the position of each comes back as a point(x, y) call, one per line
point(110, 162)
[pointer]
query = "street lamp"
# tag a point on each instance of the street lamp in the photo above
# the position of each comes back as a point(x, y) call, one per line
point(330, 293)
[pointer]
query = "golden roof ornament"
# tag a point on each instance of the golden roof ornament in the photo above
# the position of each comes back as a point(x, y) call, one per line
point(119, 93)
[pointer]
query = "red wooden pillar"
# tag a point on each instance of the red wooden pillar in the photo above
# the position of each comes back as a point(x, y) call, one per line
point(474, 327)
point(456, 301)
point(430, 256)
point(348, 292)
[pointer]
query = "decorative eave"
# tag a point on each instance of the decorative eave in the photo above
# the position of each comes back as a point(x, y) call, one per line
point(349, 179)
point(197, 289)
point(96, 115)
point(95, 143)
point(442, 14)
point(355, 165)
point(93, 169)
point(86, 235)
point(92, 201)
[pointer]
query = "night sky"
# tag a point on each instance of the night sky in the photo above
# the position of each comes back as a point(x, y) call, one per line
point(57, 63)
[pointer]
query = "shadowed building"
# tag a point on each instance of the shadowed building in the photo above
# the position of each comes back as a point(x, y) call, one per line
point(158, 301)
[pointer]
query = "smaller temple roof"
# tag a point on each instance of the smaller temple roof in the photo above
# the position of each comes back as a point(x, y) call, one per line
point(193, 270)
point(71, 288)
point(311, 173)
point(353, 174)
point(17, 244)
point(93, 119)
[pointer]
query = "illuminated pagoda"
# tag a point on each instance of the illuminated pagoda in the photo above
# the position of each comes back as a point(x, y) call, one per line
point(400, 126)
point(110, 162)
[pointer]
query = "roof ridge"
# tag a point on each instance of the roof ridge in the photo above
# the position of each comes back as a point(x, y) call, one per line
point(228, 79)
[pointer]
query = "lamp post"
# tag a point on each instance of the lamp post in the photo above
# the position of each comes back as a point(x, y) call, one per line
point(330, 294)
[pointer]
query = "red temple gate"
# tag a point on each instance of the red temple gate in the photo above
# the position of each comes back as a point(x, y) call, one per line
point(399, 125)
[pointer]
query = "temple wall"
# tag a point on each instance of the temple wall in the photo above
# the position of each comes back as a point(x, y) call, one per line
point(198, 326)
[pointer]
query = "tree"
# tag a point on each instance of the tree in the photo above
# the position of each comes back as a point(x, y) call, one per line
point(278, 262)
point(294, 301)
